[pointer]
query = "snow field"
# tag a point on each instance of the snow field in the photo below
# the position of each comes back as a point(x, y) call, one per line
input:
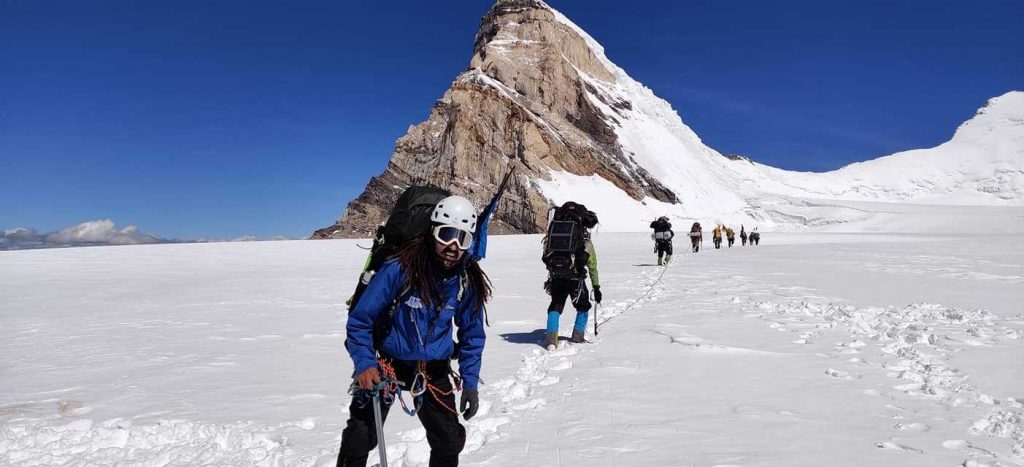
point(811, 349)
point(730, 394)
point(167, 442)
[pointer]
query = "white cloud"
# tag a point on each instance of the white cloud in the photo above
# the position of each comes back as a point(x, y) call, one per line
point(20, 234)
point(95, 233)
point(100, 232)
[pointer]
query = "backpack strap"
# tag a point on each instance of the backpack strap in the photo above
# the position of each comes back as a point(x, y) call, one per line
point(463, 280)
point(386, 321)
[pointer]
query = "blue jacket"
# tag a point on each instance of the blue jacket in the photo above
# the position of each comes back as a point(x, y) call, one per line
point(408, 338)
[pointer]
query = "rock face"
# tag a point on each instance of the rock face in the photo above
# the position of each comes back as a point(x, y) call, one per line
point(525, 88)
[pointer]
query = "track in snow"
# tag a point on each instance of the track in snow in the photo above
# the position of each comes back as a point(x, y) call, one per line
point(510, 399)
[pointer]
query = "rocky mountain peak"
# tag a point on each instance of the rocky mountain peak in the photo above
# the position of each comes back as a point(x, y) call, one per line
point(533, 94)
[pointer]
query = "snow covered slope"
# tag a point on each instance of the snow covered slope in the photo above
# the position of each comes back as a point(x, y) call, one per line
point(811, 349)
point(983, 164)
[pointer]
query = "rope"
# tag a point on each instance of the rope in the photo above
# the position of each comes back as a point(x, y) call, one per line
point(389, 372)
point(650, 288)
point(434, 391)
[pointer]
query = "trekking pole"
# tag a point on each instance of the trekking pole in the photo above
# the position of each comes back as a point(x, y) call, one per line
point(378, 422)
point(595, 317)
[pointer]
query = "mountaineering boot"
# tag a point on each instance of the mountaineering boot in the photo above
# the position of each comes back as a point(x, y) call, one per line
point(551, 341)
point(659, 260)
point(577, 337)
point(551, 337)
point(667, 259)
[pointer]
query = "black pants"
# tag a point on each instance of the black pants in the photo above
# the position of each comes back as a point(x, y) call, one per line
point(744, 240)
point(731, 241)
point(663, 247)
point(445, 434)
point(695, 243)
point(718, 242)
point(576, 289)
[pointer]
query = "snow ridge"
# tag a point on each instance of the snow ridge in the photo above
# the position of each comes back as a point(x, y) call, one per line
point(983, 164)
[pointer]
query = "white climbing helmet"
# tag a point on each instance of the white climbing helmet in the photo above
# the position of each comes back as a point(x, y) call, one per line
point(455, 211)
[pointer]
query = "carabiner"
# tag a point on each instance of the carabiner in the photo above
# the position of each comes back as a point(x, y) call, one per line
point(421, 381)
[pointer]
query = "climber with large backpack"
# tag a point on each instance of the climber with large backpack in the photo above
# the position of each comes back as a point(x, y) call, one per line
point(569, 256)
point(696, 237)
point(409, 218)
point(662, 239)
point(755, 237)
point(400, 328)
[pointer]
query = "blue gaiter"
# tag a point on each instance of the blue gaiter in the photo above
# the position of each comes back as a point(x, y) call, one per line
point(581, 321)
point(553, 321)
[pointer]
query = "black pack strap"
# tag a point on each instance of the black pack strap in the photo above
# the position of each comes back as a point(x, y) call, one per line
point(463, 280)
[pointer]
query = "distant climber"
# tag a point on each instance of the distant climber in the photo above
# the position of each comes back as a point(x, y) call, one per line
point(755, 236)
point(730, 235)
point(696, 237)
point(743, 235)
point(662, 239)
point(716, 236)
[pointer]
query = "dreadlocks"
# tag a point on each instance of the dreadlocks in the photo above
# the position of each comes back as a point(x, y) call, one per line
point(424, 274)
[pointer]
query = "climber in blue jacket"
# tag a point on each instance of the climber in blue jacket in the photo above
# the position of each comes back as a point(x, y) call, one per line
point(402, 326)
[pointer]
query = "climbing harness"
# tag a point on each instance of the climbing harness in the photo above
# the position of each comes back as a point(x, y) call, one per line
point(420, 386)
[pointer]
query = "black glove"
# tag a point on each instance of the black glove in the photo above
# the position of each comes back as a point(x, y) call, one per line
point(597, 293)
point(547, 286)
point(470, 403)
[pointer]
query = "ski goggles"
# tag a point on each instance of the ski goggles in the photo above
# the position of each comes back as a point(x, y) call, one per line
point(447, 234)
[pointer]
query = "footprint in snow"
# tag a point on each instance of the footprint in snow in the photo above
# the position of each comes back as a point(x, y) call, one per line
point(623, 365)
point(764, 412)
point(531, 404)
point(548, 381)
point(955, 444)
point(898, 447)
point(964, 445)
point(839, 374)
point(696, 343)
point(912, 427)
point(263, 337)
point(563, 365)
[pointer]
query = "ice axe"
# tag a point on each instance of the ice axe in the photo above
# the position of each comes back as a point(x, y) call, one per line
point(375, 398)
point(378, 423)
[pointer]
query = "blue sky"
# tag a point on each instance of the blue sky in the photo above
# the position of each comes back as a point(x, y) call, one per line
point(221, 119)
